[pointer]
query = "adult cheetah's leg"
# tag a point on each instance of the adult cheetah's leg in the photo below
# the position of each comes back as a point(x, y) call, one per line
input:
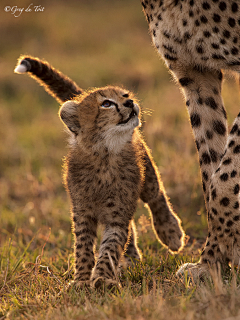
point(84, 228)
point(202, 90)
point(132, 253)
point(165, 223)
point(223, 242)
point(114, 241)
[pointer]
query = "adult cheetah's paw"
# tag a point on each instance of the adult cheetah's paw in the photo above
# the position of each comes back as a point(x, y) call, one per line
point(195, 271)
point(104, 283)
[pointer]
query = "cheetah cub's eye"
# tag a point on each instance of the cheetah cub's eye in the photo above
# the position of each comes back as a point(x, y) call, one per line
point(107, 104)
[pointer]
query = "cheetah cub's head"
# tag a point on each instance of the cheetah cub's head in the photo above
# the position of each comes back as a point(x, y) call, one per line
point(102, 117)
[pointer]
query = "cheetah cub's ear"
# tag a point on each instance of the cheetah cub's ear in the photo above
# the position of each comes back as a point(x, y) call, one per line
point(69, 116)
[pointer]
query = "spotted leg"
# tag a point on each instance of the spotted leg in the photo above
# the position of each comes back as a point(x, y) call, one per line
point(114, 240)
point(85, 234)
point(223, 242)
point(165, 223)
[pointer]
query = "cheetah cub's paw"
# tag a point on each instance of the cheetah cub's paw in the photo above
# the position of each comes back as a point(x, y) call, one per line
point(195, 271)
point(172, 234)
point(104, 283)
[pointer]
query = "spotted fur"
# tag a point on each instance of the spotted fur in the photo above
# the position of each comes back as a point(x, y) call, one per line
point(109, 167)
point(197, 39)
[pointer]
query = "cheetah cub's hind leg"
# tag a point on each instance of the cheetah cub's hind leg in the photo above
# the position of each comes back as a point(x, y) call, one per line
point(223, 240)
point(165, 223)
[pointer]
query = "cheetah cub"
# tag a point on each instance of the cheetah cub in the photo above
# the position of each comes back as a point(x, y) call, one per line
point(108, 168)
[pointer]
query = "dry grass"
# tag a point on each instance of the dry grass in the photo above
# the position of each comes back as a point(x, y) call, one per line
point(95, 43)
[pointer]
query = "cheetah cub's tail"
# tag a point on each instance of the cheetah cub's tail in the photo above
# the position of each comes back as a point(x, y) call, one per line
point(54, 82)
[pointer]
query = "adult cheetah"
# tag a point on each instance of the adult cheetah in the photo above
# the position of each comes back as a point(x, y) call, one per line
point(197, 39)
point(109, 167)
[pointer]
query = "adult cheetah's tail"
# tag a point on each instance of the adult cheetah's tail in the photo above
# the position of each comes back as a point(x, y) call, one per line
point(54, 82)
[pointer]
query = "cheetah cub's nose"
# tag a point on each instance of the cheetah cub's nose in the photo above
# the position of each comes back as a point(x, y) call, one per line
point(129, 103)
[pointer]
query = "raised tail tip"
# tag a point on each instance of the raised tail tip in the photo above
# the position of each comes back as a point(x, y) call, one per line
point(23, 67)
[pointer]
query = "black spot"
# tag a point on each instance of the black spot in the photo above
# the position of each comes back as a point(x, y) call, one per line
point(231, 144)
point(195, 120)
point(207, 34)
point(229, 223)
point(199, 49)
point(214, 194)
point(235, 40)
point(236, 149)
point(205, 176)
point(219, 127)
point(197, 144)
point(227, 161)
point(209, 135)
point(234, 129)
point(110, 204)
point(206, 158)
point(203, 19)
point(184, 82)
point(187, 36)
point(218, 57)
point(166, 34)
point(204, 186)
point(214, 211)
point(234, 51)
point(216, 17)
point(199, 101)
point(236, 205)
point(213, 155)
point(215, 46)
point(206, 6)
point(222, 6)
point(191, 14)
point(171, 58)
point(222, 41)
point(188, 103)
point(197, 23)
point(224, 202)
point(184, 22)
point(215, 30)
point(210, 253)
point(231, 22)
point(236, 218)
point(224, 177)
point(236, 189)
point(228, 213)
point(221, 220)
point(233, 173)
point(226, 34)
point(234, 7)
point(211, 103)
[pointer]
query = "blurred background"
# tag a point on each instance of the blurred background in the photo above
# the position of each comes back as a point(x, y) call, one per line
point(96, 43)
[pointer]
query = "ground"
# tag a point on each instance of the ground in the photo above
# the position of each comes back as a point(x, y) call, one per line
point(107, 45)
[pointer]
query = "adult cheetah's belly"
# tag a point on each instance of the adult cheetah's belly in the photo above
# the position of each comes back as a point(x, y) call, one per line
point(205, 33)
